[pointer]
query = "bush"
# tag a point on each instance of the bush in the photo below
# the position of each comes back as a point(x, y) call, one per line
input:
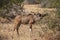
point(50, 3)
point(54, 23)
point(55, 3)
point(7, 2)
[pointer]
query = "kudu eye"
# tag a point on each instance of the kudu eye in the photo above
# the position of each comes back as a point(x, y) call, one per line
point(39, 14)
point(44, 14)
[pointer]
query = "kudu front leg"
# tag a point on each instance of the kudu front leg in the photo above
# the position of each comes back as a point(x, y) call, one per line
point(30, 27)
point(30, 23)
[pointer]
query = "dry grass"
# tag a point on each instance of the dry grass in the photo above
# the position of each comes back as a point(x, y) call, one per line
point(48, 28)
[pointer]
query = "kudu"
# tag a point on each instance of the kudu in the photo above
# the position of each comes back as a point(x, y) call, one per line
point(26, 19)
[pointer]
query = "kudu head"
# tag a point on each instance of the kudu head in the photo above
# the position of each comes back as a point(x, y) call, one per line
point(39, 16)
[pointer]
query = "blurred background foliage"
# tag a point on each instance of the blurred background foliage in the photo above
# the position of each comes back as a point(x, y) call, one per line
point(6, 7)
point(49, 3)
point(54, 3)
point(44, 3)
point(5, 3)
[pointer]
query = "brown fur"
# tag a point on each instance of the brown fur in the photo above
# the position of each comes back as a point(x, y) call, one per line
point(25, 19)
point(20, 19)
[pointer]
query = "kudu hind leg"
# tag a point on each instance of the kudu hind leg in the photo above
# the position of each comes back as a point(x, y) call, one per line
point(17, 28)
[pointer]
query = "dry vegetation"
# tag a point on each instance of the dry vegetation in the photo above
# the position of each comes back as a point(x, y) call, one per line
point(46, 28)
